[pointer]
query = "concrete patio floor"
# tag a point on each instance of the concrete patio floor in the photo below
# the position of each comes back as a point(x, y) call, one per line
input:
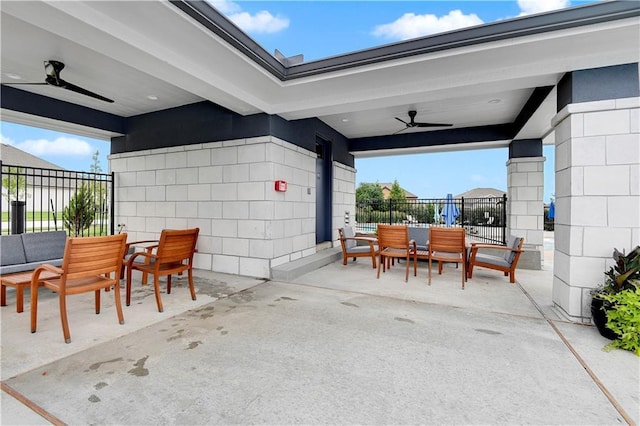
point(335, 346)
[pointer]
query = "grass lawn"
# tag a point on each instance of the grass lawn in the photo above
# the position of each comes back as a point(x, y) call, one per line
point(34, 216)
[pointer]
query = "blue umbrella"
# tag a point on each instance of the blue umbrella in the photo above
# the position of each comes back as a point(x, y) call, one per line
point(552, 211)
point(450, 211)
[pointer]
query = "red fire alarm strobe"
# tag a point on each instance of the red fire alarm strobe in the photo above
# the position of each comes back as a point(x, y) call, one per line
point(281, 186)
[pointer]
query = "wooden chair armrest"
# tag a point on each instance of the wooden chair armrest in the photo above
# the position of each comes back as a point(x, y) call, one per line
point(477, 246)
point(46, 267)
point(135, 243)
point(50, 268)
point(142, 242)
point(146, 254)
point(369, 239)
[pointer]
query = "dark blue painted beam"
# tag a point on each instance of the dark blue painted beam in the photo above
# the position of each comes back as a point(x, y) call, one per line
point(433, 138)
point(44, 106)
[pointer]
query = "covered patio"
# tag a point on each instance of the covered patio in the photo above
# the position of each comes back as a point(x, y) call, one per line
point(205, 121)
point(334, 346)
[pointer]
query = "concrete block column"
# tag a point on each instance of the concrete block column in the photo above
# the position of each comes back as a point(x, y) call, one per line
point(597, 196)
point(225, 188)
point(344, 198)
point(525, 210)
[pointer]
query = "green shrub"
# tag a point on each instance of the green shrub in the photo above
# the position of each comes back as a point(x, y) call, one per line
point(624, 318)
point(80, 212)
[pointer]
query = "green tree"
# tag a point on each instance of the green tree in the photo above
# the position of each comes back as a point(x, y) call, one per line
point(397, 193)
point(14, 184)
point(369, 193)
point(99, 190)
point(95, 166)
point(80, 212)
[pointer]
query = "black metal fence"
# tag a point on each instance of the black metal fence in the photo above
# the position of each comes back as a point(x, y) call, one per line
point(36, 199)
point(485, 219)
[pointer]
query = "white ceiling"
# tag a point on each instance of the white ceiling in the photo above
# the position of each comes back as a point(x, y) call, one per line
point(129, 50)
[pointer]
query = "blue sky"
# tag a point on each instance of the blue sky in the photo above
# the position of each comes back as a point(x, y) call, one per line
point(319, 29)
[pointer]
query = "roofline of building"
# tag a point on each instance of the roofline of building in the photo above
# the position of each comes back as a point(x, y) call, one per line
point(541, 23)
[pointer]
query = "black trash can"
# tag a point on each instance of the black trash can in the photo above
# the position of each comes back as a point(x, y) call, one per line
point(18, 216)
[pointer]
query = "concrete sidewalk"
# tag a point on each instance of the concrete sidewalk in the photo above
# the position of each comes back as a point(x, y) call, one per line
point(337, 346)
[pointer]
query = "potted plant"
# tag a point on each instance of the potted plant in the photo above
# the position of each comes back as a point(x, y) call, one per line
point(623, 318)
point(619, 278)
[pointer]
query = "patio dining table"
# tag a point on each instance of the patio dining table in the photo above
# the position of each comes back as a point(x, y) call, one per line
point(19, 281)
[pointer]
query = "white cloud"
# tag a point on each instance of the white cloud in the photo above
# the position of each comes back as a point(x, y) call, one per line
point(411, 25)
point(62, 146)
point(262, 22)
point(225, 6)
point(5, 140)
point(528, 7)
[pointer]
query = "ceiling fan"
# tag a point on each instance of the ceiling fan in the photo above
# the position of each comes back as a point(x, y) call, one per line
point(412, 123)
point(52, 70)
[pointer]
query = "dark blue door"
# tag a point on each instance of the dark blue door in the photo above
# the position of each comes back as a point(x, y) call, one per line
point(323, 190)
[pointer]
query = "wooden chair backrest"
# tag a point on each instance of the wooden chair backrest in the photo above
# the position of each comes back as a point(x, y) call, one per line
point(177, 245)
point(393, 236)
point(448, 240)
point(91, 256)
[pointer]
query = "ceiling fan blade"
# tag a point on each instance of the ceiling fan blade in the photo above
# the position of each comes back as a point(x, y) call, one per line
point(432, 125)
point(78, 89)
point(20, 84)
point(401, 130)
point(401, 120)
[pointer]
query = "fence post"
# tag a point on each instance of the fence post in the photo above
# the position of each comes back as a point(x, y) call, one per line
point(113, 204)
point(1, 204)
point(390, 211)
point(462, 212)
point(504, 218)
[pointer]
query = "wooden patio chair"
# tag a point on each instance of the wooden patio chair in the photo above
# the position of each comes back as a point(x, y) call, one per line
point(350, 247)
point(89, 264)
point(393, 242)
point(447, 245)
point(506, 263)
point(172, 255)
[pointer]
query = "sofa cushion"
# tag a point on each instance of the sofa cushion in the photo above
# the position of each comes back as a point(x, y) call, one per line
point(44, 246)
point(24, 267)
point(492, 260)
point(420, 236)
point(360, 249)
point(11, 252)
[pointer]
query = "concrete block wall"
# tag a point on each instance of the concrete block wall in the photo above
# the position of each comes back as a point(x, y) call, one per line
point(344, 198)
point(227, 190)
point(597, 196)
point(525, 208)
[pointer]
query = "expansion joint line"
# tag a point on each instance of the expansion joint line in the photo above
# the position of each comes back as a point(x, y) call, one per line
point(582, 362)
point(32, 405)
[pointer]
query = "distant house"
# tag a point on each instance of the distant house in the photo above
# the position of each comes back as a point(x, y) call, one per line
point(485, 204)
point(45, 183)
point(482, 193)
point(16, 157)
point(386, 191)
